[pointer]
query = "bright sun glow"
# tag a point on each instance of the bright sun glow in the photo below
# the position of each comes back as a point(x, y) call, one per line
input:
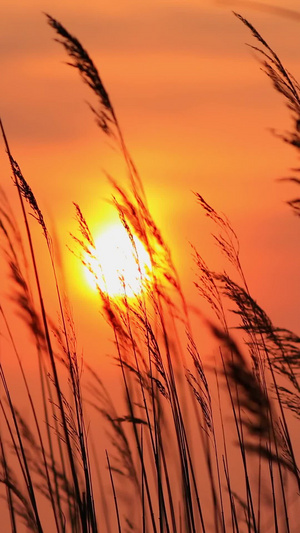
point(119, 267)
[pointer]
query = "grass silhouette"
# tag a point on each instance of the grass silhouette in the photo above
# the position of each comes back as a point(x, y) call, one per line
point(173, 464)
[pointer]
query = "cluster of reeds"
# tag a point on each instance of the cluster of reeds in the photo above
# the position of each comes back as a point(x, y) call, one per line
point(191, 451)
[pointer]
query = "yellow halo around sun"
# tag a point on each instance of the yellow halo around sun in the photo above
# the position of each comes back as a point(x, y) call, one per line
point(117, 265)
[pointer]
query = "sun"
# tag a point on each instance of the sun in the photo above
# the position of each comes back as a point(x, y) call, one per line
point(119, 265)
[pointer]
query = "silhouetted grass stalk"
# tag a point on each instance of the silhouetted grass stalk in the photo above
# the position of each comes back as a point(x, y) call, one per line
point(162, 469)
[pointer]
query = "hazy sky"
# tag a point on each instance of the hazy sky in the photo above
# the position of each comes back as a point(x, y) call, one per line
point(195, 110)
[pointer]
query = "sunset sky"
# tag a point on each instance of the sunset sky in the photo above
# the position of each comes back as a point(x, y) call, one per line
point(195, 110)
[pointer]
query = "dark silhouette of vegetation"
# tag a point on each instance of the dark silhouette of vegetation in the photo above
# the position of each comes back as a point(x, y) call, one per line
point(174, 455)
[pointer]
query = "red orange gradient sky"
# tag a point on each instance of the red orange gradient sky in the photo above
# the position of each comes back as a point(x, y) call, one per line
point(195, 110)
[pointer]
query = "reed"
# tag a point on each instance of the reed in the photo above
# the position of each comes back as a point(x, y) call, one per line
point(171, 465)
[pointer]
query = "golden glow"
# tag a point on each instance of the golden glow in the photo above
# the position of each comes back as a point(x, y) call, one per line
point(118, 266)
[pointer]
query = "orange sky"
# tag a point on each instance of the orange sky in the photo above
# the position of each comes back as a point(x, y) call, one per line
point(195, 111)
